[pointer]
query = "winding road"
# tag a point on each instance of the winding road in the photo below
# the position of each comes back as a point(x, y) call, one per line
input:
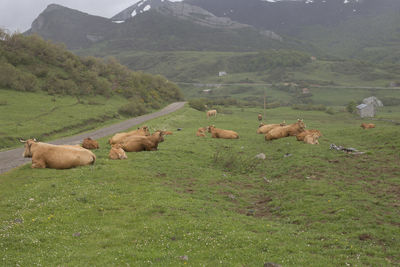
point(13, 158)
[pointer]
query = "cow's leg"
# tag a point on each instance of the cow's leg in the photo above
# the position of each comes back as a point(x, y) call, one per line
point(39, 164)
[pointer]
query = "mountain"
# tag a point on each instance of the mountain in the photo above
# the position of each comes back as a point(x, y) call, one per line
point(367, 29)
point(152, 25)
point(72, 27)
point(289, 16)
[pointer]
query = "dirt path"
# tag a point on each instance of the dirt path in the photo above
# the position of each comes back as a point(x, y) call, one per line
point(13, 158)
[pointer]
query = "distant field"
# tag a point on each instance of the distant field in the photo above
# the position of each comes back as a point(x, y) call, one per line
point(194, 66)
point(25, 115)
point(203, 201)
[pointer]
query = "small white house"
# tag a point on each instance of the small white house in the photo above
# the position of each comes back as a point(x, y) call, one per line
point(366, 110)
point(222, 73)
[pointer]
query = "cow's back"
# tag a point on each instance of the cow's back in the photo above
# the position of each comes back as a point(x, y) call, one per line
point(63, 157)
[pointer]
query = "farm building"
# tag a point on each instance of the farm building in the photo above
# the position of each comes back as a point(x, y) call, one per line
point(366, 110)
point(372, 100)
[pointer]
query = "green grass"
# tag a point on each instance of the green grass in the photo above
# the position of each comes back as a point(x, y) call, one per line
point(26, 115)
point(195, 66)
point(212, 201)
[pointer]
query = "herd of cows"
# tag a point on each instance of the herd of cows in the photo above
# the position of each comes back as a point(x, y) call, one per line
point(68, 156)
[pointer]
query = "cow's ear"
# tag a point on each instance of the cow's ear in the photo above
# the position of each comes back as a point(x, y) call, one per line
point(34, 140)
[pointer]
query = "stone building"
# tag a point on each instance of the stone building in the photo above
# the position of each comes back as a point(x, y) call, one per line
point(366, 110)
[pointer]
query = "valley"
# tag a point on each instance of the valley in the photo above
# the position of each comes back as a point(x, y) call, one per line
point(198, 200)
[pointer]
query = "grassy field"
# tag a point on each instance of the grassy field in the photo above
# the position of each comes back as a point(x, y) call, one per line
point(39, 115)
point(207, 202)
point(195, 66)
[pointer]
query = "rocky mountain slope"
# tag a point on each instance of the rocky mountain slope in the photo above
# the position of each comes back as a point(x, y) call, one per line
point(164, 26)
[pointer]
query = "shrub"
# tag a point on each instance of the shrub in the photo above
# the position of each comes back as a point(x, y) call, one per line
point(390, 101)
point(309, 107)
point(351, 107)
point(330, 111)
point(275, 104)
point(198, 104)
point(132, 109)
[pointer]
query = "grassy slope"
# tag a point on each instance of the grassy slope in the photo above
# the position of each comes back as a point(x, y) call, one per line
point(204, 67)
point(40, 116)
point(315, 208)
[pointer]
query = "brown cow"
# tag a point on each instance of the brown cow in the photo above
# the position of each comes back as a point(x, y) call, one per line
point(116, 152)
point(221, 133)
point(284, 131)
point(367, 125)
point(265, 128)
point(300, 136)
point(311, 139)
point(211, 113)
point(167, 133)
point(57, 156)
point(119, 137)
point(201, 132)
point(259, 117)
point(89, 143)
point(142, 143)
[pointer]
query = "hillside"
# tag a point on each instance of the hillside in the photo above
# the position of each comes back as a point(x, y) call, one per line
point(171, 26)
point(32, 64)
point(366, 29)
point(66, 94)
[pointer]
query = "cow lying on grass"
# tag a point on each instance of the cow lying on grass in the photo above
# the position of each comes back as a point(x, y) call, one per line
point(220, 133)
point(119, 137)
point(265, 128)
point(302, 135)
point(116, 152)
point(57, 156)
point(89, 143)
point(311, 139)
point(143, 143)
point(367, 125)
point(201, 132)
point(284, 131)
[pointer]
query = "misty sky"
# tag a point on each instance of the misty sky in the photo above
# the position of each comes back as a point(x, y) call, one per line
point(17, 15)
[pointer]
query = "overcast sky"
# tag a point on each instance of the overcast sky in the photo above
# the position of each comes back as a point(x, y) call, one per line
point(18, 15)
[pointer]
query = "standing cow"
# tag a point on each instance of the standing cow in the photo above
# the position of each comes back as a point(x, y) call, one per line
point(211, 113)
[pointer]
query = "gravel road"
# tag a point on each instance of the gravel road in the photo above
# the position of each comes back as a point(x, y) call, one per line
point(13, 158)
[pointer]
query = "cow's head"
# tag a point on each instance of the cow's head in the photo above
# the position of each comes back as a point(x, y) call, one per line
point(301, 124)
point(159, 135)
point(145, 129)
point(116, 146)
point(209, 128)
point(28, 144)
